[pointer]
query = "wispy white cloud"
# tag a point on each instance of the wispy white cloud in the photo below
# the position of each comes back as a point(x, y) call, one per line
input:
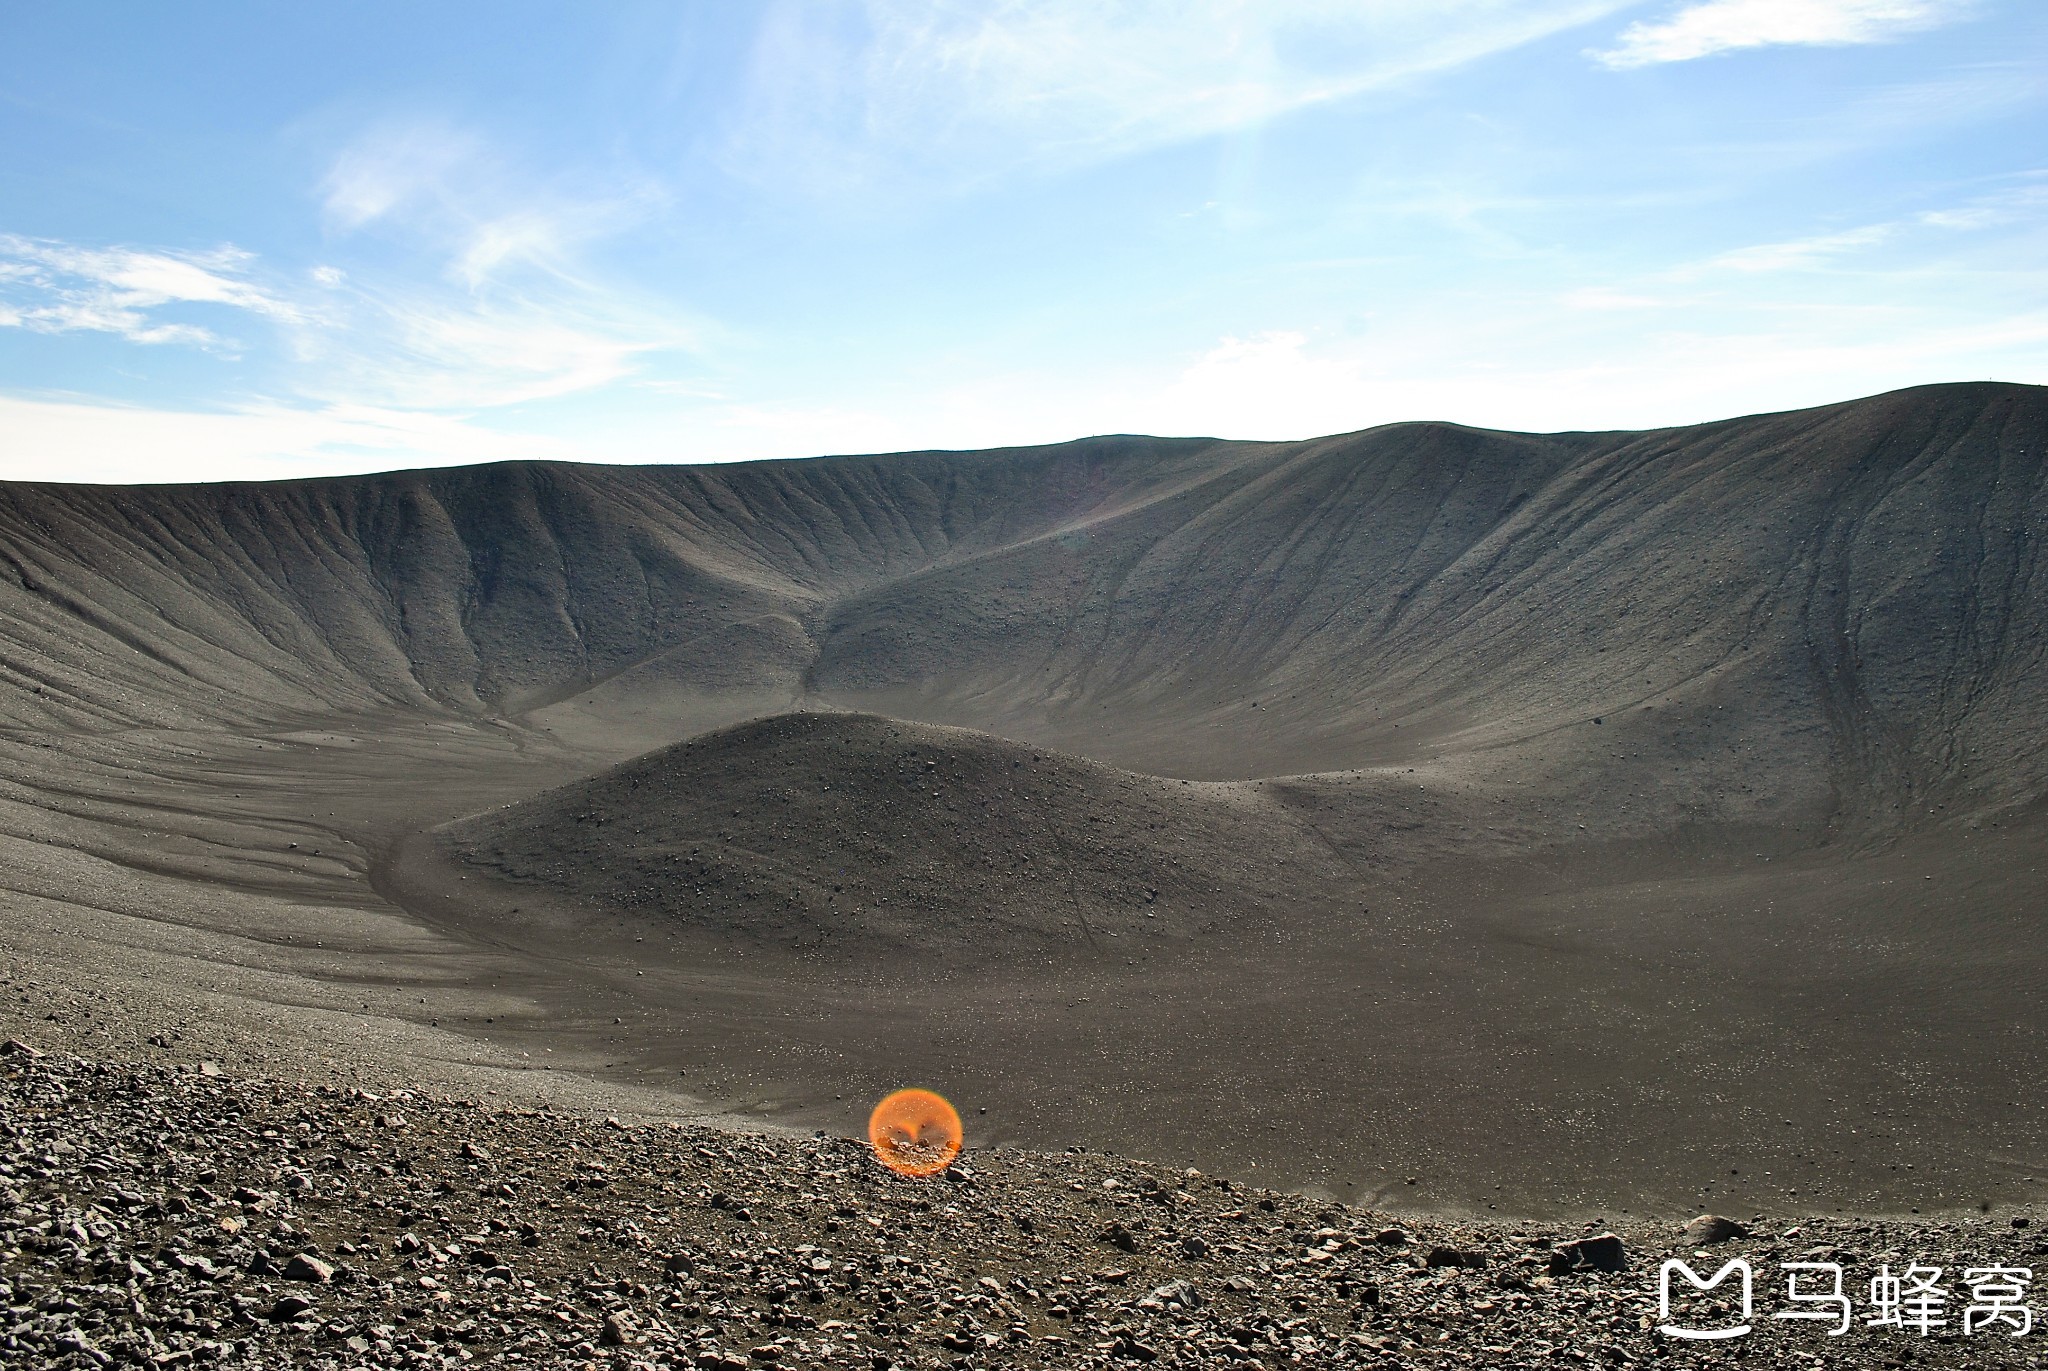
point(348, 341)
point(461, 294)
point(1499, 363)
point(448, 192)
point(877, 89)
point(1608, 298)
point(53, 287)
point(504, 314)
point(2011, 204)
point(433, 350)
point(1991, 210)
point(1706, 27)
point(1796, 254)
point(1963, 219)
point(394, 166)
point(507, 311)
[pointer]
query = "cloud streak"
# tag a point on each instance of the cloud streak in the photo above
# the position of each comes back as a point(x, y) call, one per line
point(1708, 27)
point(392, 168)
point(505, 314)
point(430, 350)
point(443, 190)
point(345, 342)
point(1824, 250)
point(1801, 253)
point(52, 287)
point(933, 88)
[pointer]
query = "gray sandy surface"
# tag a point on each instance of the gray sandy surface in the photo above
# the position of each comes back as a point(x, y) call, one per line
point(1494, 827)
point(174, 1216)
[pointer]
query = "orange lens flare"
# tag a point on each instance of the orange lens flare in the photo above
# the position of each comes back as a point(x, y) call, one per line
point(915, 1133)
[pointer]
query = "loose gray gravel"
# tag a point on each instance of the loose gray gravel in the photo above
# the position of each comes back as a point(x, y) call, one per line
point(168, 1216)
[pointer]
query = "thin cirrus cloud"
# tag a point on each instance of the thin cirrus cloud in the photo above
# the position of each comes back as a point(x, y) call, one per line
point(504, 316)
point(455, 291)
point(1621, 251)
point(1801, 253)
point(54, 287)
point(1823, 250)
point(395, 166)
point(518, 317)
point(445, 190)
point(932, 87)
point(419, 346)
point(426, 350)
point(1708, 27)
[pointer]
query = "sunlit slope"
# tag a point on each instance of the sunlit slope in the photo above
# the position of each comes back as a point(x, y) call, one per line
point(491, 588)
point(1824, 619)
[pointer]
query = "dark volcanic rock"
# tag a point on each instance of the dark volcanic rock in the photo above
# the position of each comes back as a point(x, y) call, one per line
point(308, 1268)
point(289, 1308)
point(844, 1265)
point(1601, 1253)
point(1708, 1229)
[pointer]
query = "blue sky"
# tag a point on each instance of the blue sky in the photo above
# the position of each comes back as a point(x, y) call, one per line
point(276, 240)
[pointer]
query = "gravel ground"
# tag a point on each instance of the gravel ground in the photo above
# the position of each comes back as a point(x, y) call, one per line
point(174, 1215)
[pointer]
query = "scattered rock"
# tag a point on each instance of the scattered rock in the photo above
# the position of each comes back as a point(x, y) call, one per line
point(1131, 1349)
point(99, 1272)
point(1452, 1256)
point(1708, 1229)
point(194, 1264)
point(1181, 1292)
point(1601, 1253)
point(308, 1268)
